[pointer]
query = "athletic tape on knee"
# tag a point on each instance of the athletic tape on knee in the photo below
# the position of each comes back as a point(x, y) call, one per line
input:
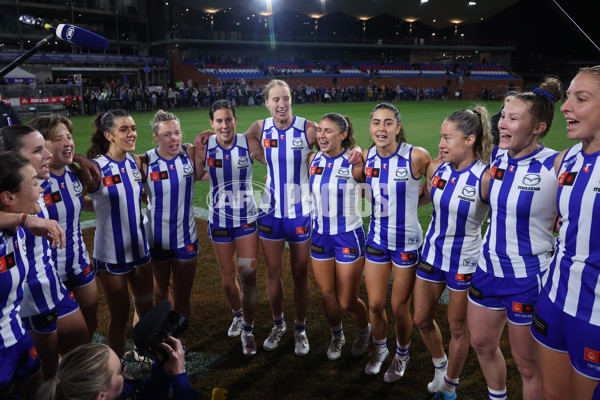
point(146, 298)
point(246, 266)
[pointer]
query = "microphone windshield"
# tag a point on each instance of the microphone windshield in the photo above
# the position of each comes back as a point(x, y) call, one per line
point(81, 37)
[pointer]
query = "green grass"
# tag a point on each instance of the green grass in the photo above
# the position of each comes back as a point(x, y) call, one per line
point(421, 121)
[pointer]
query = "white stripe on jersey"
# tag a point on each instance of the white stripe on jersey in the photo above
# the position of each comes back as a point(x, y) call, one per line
point(335, 196)
point(63, 199)
point(12, 275)
point(169, 218)
point(287, 192)
point(394, 196)
point(43, 288)
point(120, 236)
point(519, 241)
point(574, 279)
point(453, 239)
point(231, 198)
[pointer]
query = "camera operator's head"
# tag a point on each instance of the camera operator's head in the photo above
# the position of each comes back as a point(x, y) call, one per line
point(90, 372)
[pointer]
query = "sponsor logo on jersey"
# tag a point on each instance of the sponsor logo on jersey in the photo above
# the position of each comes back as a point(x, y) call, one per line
point(243, 162)
point(219, 233)
point(7, 262)
point(137, 176)
point(407, 256)
point(348, 250)
point(567, 178)
point(87, 270)
point(187, 170)
point(111, 180)
point(344, 171)
point(77, 188)
point(315, 170)
point(522, 308)
point(540, 325)
point(33, 353)
point(270, 143)
point(317, 249)
point(468, 193)
point(214, 162)
point(372, 172)
point(265, 229)
point(374, 251)
point(71, 295)
point(438, 183)
point(401, 174)
point(497, 173)
point(591, 355)
point(329, 165)
point(586, 168)
point(453, 180)
point(190, 247)
point(511, 168)
point(52, 198)
point(301, 230)
point(62, 185)
point(282, 137)
point(531, 181)
point(426, 267)
point(159, 176)
point(297, 142)
point(463, 277)
point(475, 293)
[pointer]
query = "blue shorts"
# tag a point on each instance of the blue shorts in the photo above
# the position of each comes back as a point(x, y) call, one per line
point(561, 332)
point(228, 235)
point(293, 230)
point(46, 323)
point(84, 278)
point(515, 295)
point(380, 254)
point(120, 269)
point(345, 247)
point(20, 363)
point(457, 282)
point(188, 252)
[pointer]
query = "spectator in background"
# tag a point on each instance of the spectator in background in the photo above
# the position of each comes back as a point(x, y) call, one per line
point(8, 115)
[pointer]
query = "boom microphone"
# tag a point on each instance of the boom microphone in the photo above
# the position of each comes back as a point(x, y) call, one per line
point(69, 33)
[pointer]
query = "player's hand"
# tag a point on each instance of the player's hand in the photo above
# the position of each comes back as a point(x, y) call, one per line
point(47, 228)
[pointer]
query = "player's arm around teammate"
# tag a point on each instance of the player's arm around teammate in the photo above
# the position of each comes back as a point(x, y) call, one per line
point(338, 241)
point(121, 253)
point(566, 325)
point(457, 182)
point(393, 171)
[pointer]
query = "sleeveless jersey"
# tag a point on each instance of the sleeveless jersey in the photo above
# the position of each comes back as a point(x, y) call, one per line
point(12, 275)
point(43, 288)
point(335, 198)
point(169, 219)
point(231, 197)
point(519, 241)
point(573, 283)
point(394, 196)
point(287, 194)
point(453, 239)
point(120, 236)
point(63, 200)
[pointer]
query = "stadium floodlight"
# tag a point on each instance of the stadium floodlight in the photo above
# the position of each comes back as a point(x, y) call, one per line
point(472, 3)
point(424, 1)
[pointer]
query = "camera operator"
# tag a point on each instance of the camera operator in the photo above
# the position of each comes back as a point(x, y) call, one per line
point(93, 371)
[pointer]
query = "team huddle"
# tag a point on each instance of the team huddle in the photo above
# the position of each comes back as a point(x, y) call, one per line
point(547, 289)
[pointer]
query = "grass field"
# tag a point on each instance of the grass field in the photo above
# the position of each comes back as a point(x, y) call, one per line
point(421, 122)
point(217, 361)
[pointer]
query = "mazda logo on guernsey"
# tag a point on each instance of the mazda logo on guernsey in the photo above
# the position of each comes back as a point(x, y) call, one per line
point(401, 172)
point(187, 169)
point(243, 162)
point(344, 171)
point(469, 191)
point(297, 142)
point(531, 179)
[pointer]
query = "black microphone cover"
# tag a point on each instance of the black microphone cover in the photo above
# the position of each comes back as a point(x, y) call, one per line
point(81, 37)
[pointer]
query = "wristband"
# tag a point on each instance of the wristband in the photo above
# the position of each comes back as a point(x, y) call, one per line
point(24, 219)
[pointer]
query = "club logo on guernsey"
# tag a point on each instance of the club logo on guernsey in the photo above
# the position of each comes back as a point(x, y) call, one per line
point(214, 162)
point(372, 172)
point(567, 178)
point(497, 173)
point(187, 170)
point(531, 181)
point(111, 180)
point(52, 198)
point(7, 262)
point(438, 183)
point(159, 176)
point(270, 143)
point(468, 193)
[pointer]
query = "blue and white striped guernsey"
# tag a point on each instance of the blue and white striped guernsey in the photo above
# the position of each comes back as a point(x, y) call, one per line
point(335, 196)
point(453, 239)
point(120, 236)
point(169, 219)
point(63, 199)
point(394, 196)
point(43, 288)
point(522, 195)
point(287, 194)
point(574, 278)
point(12, 275)
point(231, 197)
